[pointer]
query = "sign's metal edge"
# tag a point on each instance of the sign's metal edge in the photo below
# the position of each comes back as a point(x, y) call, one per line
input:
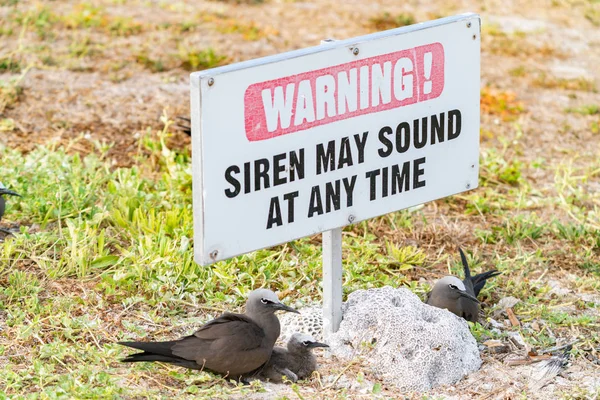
point(198, 203)
point(332, 45)
point(317, 232)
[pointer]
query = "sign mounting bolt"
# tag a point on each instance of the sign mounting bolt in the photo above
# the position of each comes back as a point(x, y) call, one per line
point(468, 24)
point(211, 81)
point(351, 218)
point(355, 51)
point(213, 254)
point(468, 186)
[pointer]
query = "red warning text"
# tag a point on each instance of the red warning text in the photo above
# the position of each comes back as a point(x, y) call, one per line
point(294, 103)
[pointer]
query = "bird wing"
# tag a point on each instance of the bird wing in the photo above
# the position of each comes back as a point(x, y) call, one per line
point(480, 279)
point(228, 325)
point(231, 342)
point(467, 281)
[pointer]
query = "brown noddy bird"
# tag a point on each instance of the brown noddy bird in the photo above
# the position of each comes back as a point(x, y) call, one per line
point(5, 191)
point(297, 361)
point(460, 297)
point(231, 345)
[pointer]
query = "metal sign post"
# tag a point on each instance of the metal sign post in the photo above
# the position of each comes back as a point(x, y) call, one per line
point(332, 274)
point(332, 281)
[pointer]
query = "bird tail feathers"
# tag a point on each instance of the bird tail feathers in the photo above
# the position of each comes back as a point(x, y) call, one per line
point(480, 279)
point(159, 348)
point(157, 351)
point(149, 357)
point(463, 258)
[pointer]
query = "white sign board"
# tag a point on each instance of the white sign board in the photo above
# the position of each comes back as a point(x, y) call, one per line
point(311, 140)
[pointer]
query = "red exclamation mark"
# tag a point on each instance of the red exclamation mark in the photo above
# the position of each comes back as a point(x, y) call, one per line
point(427, 62)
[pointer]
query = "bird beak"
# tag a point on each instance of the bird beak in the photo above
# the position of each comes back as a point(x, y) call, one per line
point(468, 296)
point(283, 307)
point(317, 344)
point(6, 191)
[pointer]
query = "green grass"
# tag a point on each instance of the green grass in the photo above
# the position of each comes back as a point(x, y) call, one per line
point(592, 14)
point(497, 168)
point(122, 238)
point(515, 44)
point(10, 91)
point(194, 59)
point(41, 19)
point(514, 230)
point(589, 109)
point(546, 81)
point(154, 65)
point(87, 16)
point(86, 36)
point(105, 254)
point(9, 64)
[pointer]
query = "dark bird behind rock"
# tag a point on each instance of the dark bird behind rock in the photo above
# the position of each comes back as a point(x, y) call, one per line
point(231, 345)
point(296, 362)
point(460, 297)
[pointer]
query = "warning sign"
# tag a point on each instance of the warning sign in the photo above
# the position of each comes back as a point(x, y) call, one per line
point(366, 86)
point(306, 141)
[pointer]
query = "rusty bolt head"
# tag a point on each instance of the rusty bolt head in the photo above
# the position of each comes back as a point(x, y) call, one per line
point(355, 51)
point(211, 81)
point(468, 24)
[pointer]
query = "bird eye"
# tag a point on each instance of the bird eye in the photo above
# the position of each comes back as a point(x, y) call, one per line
point(306, 343)
point(453, 286)
point(264, 301)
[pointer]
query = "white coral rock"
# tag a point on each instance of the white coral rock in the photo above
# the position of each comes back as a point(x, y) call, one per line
point(405, 342)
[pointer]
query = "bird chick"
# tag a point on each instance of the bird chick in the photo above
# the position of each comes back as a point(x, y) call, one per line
point(295, 362)
point(231, 345)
